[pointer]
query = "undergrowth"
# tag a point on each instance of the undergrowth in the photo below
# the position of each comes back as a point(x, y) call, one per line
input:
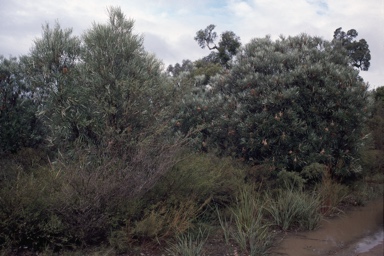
point(72, 205)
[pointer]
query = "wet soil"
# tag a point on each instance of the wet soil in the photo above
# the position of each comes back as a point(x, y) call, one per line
point(358, 232)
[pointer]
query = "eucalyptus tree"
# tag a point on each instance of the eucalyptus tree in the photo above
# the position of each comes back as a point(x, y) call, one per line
point(358, 51)
point(226, 48)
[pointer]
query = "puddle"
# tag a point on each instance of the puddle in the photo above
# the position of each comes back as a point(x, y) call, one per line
point(358, 232)
point(368, 243)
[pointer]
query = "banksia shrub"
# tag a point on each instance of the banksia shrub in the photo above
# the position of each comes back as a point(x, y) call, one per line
point(289, 103)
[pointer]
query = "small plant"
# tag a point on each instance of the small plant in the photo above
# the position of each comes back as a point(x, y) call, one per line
point(292, 209)
point(250, 231)
point(189, 244)
point(331, 194)
point(288, 180)
point(225, 225)
point(313, 173)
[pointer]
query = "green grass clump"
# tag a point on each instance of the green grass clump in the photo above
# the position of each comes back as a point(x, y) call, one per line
point(292, 209)
point(246, 225)
point(189, 244)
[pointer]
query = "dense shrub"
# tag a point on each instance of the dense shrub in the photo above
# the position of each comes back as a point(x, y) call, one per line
point(19, 125)
point(285, 103)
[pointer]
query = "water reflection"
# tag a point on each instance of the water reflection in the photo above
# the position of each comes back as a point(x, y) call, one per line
point(370, 242)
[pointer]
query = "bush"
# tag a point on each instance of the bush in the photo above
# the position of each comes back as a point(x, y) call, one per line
point(372, 161)
point(277, 106)
point(290, 180)
point(313, 173)
point(203, 176)
point(186, 195)
point(20, 126)
point(27, 216)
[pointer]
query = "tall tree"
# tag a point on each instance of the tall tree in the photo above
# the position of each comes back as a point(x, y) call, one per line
point(53, 72)
point(226, 48)
point(358, 51)
point(127, 89)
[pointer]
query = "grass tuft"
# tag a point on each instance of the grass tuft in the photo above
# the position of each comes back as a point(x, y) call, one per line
point(189, 244)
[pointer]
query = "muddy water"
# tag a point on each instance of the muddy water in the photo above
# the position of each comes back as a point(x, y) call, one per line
point(358, 232)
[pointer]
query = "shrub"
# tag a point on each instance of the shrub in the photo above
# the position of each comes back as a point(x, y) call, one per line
point(27, 216)
point(277, 106)
point(200, 176)
point(372, 161)
point(186, 195)
point(313, 173)
point(20, 126)
point(290, 180)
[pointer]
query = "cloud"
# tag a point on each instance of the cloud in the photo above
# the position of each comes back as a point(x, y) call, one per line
point(169, 26)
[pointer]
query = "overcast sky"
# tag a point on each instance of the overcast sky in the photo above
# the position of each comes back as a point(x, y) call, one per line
point(169, 26)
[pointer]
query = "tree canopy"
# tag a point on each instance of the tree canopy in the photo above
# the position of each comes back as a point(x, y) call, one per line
point(226, 48)
point(358, 51)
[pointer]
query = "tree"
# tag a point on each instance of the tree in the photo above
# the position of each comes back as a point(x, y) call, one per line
point(287, 103)
point(376, 123)
point(19, 125)
point(186, 66)
point(128, 93)
point(358, 51)
point(52, 70)
point(227, 46)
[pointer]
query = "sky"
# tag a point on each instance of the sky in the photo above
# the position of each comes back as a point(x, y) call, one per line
point(169, 26)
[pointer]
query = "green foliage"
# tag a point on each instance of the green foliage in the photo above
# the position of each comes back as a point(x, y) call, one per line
point(227, 47)
point(358, 51)
point(331, 194)
point(290, 180)
point(248, 230)
point(201, 176)
point(287, 103)
point(292, 209)
point(189, 244)
point(25, 212)
point(52, 71)
point(372, 161)
point(120, 174)
point(19, 126)
point(376, 122)
point(185, 195)
point(313, 173)
point(103, 90)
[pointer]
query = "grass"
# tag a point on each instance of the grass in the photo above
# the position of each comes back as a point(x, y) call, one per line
point(246, 225)
point(292, 209)
point(189, 244)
